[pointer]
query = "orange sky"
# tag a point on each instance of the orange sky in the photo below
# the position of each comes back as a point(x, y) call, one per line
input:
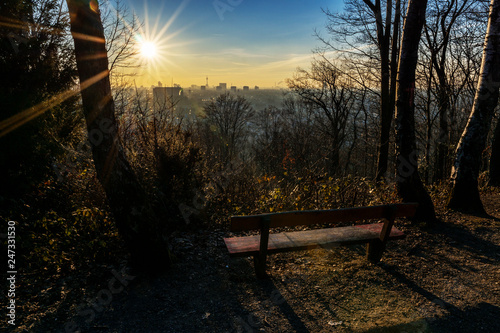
point(253, 43)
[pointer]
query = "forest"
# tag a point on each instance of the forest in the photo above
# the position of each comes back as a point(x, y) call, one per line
point(105, 182)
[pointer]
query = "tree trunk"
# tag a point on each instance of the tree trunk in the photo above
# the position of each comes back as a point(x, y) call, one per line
point(465, 193)
point(495, 157)
point(140, 229)
point(428, 117)
point(409, 184)
point(385, 117)
point(386, 96)
point(443, 138)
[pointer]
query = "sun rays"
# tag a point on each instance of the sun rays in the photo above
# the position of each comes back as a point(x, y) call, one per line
point(155, 41)
point(154, 46)
point(148, 50)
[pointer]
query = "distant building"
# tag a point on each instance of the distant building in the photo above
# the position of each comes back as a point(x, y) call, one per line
point(256, 87)
point(218, 88)
point(223, 86)
point(164, 97)
point(173, 91)
point(233, 88)
point(246, 88)
point(159, 84)
point(203, 88)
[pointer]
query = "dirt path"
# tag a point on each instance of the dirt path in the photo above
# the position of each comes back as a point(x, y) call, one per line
point(442, 280)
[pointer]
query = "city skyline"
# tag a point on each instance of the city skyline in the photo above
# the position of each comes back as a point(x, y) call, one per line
point(253, 43)
point(221, 85)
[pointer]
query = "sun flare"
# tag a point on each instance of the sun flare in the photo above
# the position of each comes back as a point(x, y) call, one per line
point(156, 47)
point(148, 50)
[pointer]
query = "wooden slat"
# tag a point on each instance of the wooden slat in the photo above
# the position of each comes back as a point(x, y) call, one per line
point(300, 240)
point(291, 219)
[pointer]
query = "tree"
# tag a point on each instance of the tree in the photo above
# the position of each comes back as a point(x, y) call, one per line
point(120, 30)
point(495, 157)
point(465, 192)
point(36, 71)
point(409, 184)
point(270, 143)
point(356, 26)
point(228, 117)
point(449, 64)
point(329, 92)
point(438, 35)
point(141, 230)
point(287, 139)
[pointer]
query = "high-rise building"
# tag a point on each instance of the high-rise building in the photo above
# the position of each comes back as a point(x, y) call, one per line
point(233, 88)
point(165, 97)
point(246, 88)
point(223, 86)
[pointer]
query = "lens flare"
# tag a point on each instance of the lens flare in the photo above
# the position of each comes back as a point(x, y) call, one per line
point(148, 50)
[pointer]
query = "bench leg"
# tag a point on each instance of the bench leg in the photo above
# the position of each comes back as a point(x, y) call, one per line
point(260, 266)
point(374, 251)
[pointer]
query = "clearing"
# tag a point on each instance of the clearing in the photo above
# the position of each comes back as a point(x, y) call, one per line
point(442, 279)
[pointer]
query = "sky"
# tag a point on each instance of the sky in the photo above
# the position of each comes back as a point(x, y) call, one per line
point(238, 42)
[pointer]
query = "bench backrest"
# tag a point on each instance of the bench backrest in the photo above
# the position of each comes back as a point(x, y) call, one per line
point(291, 219)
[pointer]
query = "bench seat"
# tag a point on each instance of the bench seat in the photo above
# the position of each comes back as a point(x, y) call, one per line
point(374, 235)
point(309, 239)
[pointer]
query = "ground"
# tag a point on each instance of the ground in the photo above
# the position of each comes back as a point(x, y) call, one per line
point(440, 279)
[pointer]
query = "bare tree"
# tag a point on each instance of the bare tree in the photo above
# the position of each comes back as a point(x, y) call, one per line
point(332, 95)
point(465, 192)
point(120, 30)
point(438, 36)
point(409, 184)
point(377, 23)
point(140, 229)
point(269, 145)
point(228, 118)
point(287, 139)
point(495, 157)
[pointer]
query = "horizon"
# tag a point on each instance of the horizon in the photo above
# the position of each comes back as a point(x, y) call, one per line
point(241, 43)
point(211, 86)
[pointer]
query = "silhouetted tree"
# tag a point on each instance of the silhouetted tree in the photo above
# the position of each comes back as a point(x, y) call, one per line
point(329, 92)
point(409, 184)
point(439, 34)
point(228, 118)
point(465, 192)
point(495, 157)
point(141, 230)
point(37, 72)
point(377, 22)
point(120, 31)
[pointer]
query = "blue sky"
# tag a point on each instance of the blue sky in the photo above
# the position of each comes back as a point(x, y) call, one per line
point(241, 42)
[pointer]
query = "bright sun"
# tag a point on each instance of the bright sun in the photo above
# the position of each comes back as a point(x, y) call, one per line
point(154, 42)
point(148, 50)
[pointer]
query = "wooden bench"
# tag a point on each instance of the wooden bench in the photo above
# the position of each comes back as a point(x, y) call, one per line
point(374, 235)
